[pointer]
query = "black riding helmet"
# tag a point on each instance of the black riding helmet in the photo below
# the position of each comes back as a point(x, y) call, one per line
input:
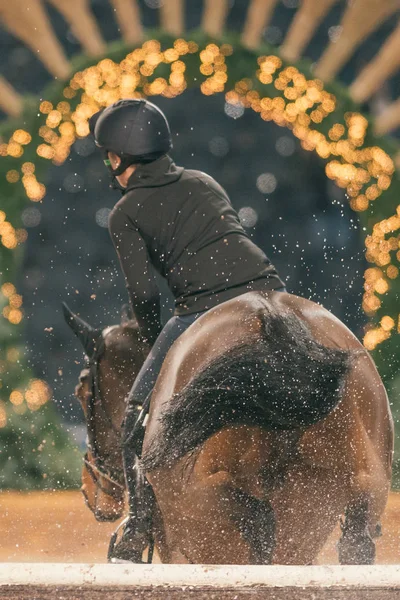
point(136, 130)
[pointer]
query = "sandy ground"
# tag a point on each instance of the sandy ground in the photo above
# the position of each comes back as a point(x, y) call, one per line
point(57, 527)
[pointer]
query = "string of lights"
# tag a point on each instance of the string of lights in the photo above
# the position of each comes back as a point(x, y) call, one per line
point(278, 92)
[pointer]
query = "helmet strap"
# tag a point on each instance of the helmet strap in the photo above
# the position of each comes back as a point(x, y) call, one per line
point(115, 185)
point(125, 163)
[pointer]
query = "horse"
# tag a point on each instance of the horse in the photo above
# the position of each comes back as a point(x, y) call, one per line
point(268, 424)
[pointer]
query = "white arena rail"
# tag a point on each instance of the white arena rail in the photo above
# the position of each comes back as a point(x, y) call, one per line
point(59, 581)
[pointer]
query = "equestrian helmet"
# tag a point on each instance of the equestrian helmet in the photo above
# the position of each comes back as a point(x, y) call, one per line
point(134, 129)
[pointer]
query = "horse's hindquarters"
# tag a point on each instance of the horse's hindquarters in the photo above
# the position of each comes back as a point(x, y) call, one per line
point(215, 493)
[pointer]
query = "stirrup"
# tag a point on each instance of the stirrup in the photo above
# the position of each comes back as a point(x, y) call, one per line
point(129, 549)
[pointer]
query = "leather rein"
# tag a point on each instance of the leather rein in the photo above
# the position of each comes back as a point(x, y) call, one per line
point(99, 467)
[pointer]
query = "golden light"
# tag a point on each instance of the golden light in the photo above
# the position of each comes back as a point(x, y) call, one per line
point(21, 235)
point(54, 118)
point(34, 190)
point(374, 337)
point(360, 203)
point(8, 289)
point(22, 137)
point(28, 168)
point(302, 105)
point(16, 397)
point(387, 323)
point(3, 415)
point(69, 93)
point(14, 149)
point(37, 394)
point(392, 272)
point(381, 286)
point(15, 316)
point(45, 107)
point(15, 301)
point(45, 151)
point(13, 354)
point(64, 107)
point(12, 176)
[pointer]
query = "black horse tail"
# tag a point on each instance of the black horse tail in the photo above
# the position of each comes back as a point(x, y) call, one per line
point(285, 380)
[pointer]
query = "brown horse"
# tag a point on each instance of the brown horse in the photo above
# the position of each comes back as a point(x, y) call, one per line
point(268, 422)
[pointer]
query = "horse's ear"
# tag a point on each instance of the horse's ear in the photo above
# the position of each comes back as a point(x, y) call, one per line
point(90, 338)
point(126, 314)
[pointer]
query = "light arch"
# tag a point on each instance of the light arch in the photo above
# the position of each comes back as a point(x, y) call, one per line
point(322, 116)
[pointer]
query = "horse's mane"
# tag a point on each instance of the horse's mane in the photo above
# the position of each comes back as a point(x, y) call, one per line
point(286, 380)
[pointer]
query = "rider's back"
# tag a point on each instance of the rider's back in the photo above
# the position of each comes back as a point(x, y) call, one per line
point(193, 236)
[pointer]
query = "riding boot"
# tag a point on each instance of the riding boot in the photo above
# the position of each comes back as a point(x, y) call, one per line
point(136, 535)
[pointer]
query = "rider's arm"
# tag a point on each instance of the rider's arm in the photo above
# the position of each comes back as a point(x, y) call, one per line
point(139, 276)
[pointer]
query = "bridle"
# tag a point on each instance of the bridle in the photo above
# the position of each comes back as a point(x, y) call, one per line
point(99, 467)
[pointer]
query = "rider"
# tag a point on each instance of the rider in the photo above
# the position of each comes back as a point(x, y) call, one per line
point(180, 223)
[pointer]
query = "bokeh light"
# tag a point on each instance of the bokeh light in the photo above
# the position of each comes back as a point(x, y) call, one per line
point(219, 146)
point(31, 217)
point(266, 183)
point(73, 183)
point(248, 216)
point(102, 216)
point(235, 111)
point(285, 146)
point(301, 104)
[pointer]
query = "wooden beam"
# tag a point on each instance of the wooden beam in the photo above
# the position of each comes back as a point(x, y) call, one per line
point(10, 100)
point(360, 18)
point(129, 20)
point(173, 16)
point(385, 64)
point(83, 24)
point(389, 119)
point(214, 16)
point(258, 17)
point(151, 582)
point(304, 24)
point(28, 20)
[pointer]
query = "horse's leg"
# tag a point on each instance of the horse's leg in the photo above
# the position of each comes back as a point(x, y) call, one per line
point(256, 524)
point(362, 517)
point(356, 545)
point(307, 508)
point(371, 471)
point(160, 539)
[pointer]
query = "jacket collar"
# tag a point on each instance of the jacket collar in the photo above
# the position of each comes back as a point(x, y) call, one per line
point(155, 174)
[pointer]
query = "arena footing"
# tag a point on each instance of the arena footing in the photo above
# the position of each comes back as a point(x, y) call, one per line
point(67, 581)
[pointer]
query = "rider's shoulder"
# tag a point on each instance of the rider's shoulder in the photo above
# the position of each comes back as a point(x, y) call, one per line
point(193, 175)
point(201, 179)
point(117, 216)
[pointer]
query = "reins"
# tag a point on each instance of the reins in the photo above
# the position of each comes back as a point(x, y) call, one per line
point(94, 400)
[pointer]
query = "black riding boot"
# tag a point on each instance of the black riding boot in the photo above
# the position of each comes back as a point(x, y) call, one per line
point(136, 534)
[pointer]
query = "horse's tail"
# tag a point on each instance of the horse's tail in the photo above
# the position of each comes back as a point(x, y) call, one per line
point(285, 380)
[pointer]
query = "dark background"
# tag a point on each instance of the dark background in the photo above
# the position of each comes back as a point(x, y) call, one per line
point(300, 218)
